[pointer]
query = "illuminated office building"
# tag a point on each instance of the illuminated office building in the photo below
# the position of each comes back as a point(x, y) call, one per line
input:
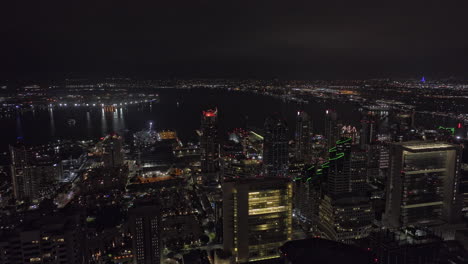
point(345, 217)
point(145, 227)
point(304, 135)
point(257, 218)
point(423, 184)
point(275, 148)
point(208, 141)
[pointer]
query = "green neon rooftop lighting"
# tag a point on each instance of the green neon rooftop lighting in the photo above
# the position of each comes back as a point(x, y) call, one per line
point(452, 129)
point(343, 140)
point(326, 165)
point(338, 156)
point(311, 167)
point(332, 149)
point(257, 135)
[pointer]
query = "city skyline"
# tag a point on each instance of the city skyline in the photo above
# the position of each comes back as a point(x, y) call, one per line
point(233, 132)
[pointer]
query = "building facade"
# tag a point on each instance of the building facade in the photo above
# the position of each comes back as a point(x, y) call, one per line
point(423, 184)
point(257, 218)
point(53, 239)
point(145, 227)
point(112, 155)
point(31, 176)
point(275, 148)
point(303, 137)
point(209, 145)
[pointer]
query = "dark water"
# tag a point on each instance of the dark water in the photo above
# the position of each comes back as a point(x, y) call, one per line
point(235, 110)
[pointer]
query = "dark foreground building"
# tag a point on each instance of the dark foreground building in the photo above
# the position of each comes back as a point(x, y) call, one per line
point(317, 250)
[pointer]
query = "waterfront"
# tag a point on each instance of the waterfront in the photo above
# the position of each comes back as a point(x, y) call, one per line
point(177, 109)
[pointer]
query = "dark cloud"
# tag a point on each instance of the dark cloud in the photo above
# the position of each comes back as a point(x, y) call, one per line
point(286, 39)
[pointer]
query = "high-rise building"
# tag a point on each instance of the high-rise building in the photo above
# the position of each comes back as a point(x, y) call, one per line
point(332, 128)
point(464, 186)
point(377, 163)
point(53, 239)
point(345, 217)
point(423, 184)
point(350, 132)
point(145, 227)
point(257, 217)
point(345, 212)
point(408, 245)
point(347, 169)
point(374, 124)
point(275, 147)
point(306, 200)
point(31, 175)
point(404, 119)
point(209, 141)
point(112, 151)
point(304, 135)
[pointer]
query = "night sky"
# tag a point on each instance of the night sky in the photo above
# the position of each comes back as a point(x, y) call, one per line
point(233, 39)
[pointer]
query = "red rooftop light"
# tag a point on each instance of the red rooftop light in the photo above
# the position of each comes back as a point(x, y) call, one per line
point(210, 112)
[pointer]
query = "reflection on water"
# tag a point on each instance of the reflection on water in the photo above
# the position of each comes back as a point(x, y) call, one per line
point(103, 122)
point(51, 121)
point(89, 125)
point(122, 119)
point(177, 109)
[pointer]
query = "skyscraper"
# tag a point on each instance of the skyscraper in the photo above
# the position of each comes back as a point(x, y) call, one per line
point(112, 151)
point(345, 211)
point(145, 227)
point(275, 147)
point(350, 132)
point(304, 134)
point(53, 238)
point(257, 218)
point(345, 217)
point(31, 175)
point(307, 195)
point(332, 128)
point(209, 141)
point(347, 171)
point(423, 184)
point(374, 124)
